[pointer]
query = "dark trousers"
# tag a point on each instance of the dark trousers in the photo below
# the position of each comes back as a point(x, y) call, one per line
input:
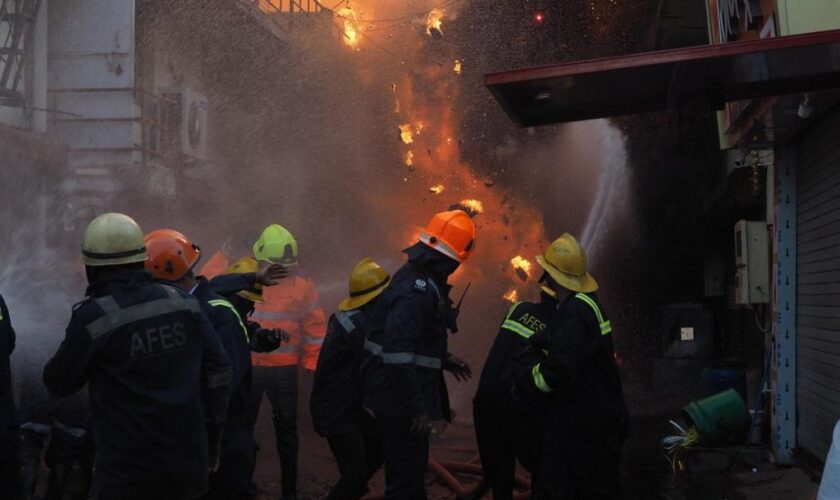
point(406, 458)
point(580, 461)
point(280, 385)
point(9, 464)
point(234, 478)
point(505, 435)
point(359, 456)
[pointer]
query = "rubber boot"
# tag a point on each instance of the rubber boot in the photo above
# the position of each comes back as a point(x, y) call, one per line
point(29, 479)
point(59, 474)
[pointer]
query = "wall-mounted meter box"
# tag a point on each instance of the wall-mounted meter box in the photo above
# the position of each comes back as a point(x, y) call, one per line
point(752, 256)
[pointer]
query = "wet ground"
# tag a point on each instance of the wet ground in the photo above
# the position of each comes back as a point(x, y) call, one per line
point(725, 474)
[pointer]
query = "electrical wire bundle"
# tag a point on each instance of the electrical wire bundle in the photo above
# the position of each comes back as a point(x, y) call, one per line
point(673, 445)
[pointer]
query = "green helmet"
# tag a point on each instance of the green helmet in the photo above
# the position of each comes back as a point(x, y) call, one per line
point(112, 239)
point(276, 245)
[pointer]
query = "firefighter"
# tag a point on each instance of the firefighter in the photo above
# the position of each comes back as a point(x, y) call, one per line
point(510, 428)
point(292, 307)
point(159, 377)
point(406, 351)
point(8, 427)
point(586, 416)
point(336, 402)
point(172, 257)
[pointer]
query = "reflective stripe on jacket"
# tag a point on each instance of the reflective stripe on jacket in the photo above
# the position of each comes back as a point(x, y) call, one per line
point(405, 347)
point(513, 350)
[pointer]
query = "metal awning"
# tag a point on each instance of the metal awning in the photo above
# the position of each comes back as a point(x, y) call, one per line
point(709, 75)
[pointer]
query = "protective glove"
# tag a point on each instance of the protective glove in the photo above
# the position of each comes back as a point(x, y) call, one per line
point(267, 340)
point(272, 274)
point(421, 425)
point(458, 367)
point(437, 427)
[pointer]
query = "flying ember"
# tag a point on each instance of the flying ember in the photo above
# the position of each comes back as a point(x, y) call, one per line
point(457, 68)
point(522, 267)
point(406, 134)
point(434, 23)
point(409, 158)
point(475, 207)
point(436, 189)
point(511, 295)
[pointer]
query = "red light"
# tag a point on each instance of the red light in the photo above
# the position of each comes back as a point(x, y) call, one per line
point(539, 17)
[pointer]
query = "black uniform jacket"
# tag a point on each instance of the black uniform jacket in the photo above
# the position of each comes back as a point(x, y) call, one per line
point(158, 377)
point(230, 328)
point(7, 404)
point(581, 370)
point(513, 350)
point(406, 346)
point(336, 400)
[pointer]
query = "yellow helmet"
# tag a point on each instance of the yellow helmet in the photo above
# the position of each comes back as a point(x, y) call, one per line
point(112, 239)
point(248, 265)
point(276, 245)
point(565, 261)
point(367, 281)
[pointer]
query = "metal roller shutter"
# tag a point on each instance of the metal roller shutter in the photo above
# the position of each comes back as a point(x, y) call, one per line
point(818, 286)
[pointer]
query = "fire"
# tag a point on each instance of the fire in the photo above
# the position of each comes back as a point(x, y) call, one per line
point(473, 206)
point(522, 267)
point(434, 23)
point(419, 128)
point(512, 295)
point(457, 68)
point(409, 158)
point(406, 134)
point(436, 189)
point(347, 16)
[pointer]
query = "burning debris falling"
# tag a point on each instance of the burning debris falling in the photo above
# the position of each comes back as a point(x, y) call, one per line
point(472, 207)
point(522, 267)
point(434, 23)
point(436, 189)
point(409, 158)
point(512, 295)
point(457, 67)
point(406, 134)
point(347, 18)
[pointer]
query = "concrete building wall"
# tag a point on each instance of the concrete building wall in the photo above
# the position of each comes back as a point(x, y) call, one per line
point(807, 16)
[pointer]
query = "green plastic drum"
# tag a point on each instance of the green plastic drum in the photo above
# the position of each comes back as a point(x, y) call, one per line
point(721, 418)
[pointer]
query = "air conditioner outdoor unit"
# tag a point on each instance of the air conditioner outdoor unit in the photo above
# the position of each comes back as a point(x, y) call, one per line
point(184, 113)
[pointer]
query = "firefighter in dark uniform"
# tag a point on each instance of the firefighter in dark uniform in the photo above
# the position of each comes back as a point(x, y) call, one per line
point(336, 401)
point(406, 351)
point(509, 428)
point(587, 416)
point(159, 377)
point(8, 420)
point(172, 258)
point(236, 292)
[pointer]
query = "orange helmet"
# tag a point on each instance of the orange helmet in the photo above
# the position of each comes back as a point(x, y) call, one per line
point(451, 233)
point(171, 254)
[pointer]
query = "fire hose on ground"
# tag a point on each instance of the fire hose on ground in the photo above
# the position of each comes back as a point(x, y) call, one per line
point(444, 473)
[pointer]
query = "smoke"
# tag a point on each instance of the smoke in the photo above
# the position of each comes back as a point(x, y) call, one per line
point(305, 134)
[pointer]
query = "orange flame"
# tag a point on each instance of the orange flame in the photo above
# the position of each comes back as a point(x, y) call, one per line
point(512, 295)
point(347, 16)
point(522, 267)
point(406, 134)
point(457, 68)
point(474, 205)
point(436, 189)
point(434, 21)
point(409, 158)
